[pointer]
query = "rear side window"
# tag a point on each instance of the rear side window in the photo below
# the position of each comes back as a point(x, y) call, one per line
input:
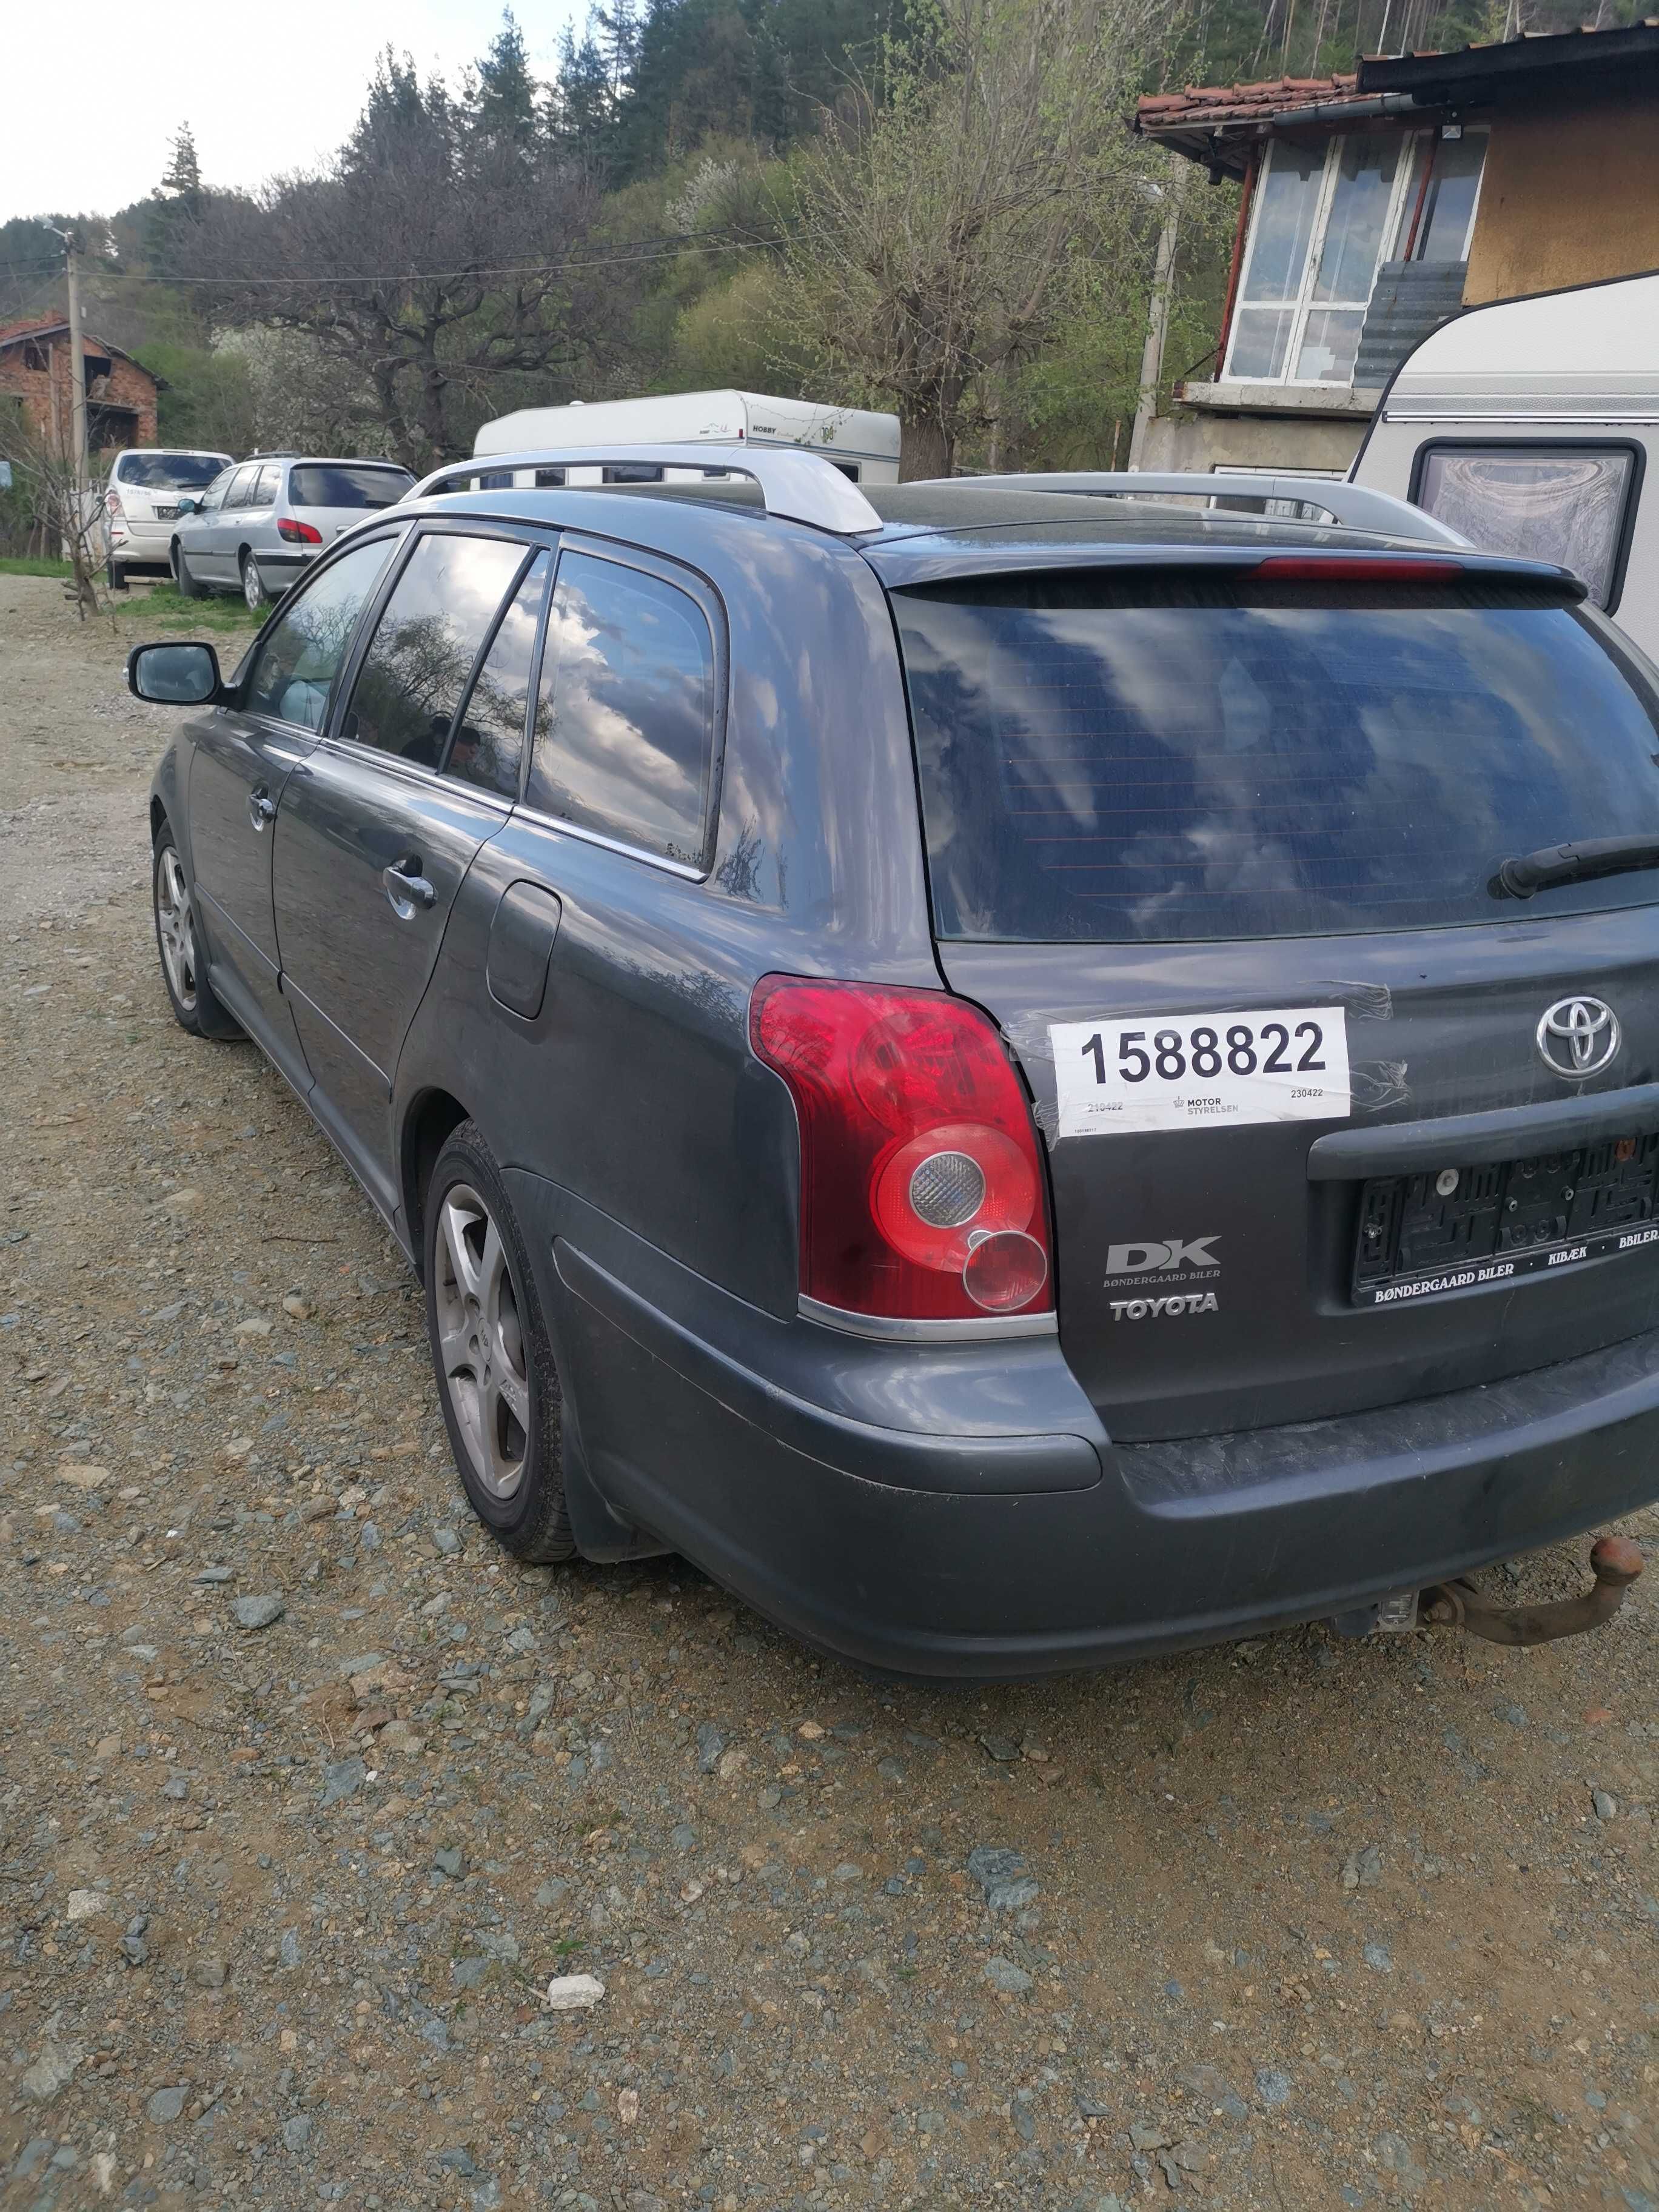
point(430, 633)
point(269, 484)
point(625, 718)
point(304, 649)
point(241, 488)
point(1131, 762)
point(331, 483)
point(488, 748)
point(1568, 504)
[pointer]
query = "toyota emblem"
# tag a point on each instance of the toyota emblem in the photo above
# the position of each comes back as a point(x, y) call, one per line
point(1577, 1037)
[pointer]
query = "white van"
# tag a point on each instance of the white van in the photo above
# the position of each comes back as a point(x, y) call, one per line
point(862, 444)
point(1526, 426)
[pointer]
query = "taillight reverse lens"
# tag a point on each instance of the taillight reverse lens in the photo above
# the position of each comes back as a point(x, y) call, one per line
point(922, 1180)
point(113, 502)
point(296, 532)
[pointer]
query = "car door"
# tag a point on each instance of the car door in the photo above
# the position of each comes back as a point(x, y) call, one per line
point(242, 755)
point(373, 841)
point(195, 531)
point(216, 562)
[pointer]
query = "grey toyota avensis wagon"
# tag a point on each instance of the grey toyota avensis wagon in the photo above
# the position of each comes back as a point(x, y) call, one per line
point(1025, 1076)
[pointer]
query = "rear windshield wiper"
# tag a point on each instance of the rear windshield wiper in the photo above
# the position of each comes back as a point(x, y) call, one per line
point(1551, 864)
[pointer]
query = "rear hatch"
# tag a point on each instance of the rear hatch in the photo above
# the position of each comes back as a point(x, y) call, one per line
point(1219, 848)
point(335, 496)
point(149, 486)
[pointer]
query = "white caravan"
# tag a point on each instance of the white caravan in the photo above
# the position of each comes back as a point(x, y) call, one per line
point(1526, 426)
point(862, 444)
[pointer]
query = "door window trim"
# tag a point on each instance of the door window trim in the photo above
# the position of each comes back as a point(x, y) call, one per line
point(678, 576)
point(1542, 448)
point(286, 605)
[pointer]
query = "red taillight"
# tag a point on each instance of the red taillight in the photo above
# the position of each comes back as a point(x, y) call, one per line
point(921, 1189)
point(1353, 569)
point(113, 502)
point(297, 533)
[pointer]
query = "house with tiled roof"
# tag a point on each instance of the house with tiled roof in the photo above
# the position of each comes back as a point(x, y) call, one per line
point(121, 394)
point(1376, 204)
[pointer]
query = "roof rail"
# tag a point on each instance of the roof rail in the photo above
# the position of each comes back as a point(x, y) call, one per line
point(796, 484)
point(1352, 507)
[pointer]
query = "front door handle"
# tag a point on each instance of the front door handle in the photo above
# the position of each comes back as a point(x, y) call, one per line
point(261, 807)
point(406, 887)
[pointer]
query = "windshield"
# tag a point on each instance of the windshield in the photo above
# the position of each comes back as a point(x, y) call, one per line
point(1144, 762)
point(170, 471)
point(330, 484)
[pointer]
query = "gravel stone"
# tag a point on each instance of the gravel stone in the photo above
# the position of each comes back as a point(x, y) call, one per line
point(252, 1612)
point(166, 2105)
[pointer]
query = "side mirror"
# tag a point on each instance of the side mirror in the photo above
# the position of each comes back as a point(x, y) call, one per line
point(175, 675)
point(189, 504)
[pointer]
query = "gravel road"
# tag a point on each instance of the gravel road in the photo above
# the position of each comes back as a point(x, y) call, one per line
point(307, 1792)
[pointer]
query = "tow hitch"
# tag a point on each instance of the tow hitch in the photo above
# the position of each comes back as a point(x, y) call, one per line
point(1615, 1563)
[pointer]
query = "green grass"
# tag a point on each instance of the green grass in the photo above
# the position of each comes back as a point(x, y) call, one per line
point(164, 608)
point(10, 567)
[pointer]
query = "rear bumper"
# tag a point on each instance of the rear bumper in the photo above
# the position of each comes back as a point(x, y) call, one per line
point(1000, 1534)
point(281, 568)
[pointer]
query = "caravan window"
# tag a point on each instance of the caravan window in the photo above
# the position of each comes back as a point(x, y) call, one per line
point(1568, 503)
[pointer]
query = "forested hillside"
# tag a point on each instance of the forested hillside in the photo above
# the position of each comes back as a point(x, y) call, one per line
point(929, 205)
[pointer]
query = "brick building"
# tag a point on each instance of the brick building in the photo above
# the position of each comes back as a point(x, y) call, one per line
point(34, 367)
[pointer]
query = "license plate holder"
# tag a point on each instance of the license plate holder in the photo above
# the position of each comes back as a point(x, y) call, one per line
point(1459, 1226)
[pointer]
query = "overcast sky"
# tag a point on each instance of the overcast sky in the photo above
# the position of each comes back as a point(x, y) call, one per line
point(95, 91)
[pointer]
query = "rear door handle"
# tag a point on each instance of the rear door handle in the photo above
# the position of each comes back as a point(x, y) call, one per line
point(406, 887)
point(261, 807)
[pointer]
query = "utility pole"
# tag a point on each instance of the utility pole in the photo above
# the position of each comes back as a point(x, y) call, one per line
point(78, 359)
point(1158, 325)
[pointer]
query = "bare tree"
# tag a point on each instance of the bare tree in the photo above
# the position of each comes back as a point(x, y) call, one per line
point(67, 511)
point(942, 233)
point(432, 261)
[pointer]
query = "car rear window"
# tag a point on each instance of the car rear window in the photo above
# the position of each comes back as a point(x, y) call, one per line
point(330, 484)
point(169, 471)
point(1128, 760)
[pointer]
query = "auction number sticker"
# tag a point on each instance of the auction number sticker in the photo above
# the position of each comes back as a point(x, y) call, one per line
point(1200, 1071)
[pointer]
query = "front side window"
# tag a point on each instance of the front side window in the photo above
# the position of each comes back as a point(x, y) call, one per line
point(625, 720)
point(1130, 761)
point(214, 497)
point(430, 633)
point(489, 743)
point(302, 653)
point(1562, 503)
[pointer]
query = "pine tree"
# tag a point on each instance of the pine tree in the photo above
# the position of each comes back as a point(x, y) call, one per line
point(183, 178)
point(502, 106)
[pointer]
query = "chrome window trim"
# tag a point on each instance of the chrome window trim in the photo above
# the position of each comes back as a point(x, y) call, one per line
point(887, 1329)
point(410, 771)
point(537, 820)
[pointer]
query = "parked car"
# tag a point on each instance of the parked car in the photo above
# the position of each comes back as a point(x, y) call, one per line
point(1026, 1078)
point(1528, 425)
point(141, 500)
point(863, 445)
point(257, 527)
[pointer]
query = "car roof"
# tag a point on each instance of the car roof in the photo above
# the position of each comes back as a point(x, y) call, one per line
point(921, 516)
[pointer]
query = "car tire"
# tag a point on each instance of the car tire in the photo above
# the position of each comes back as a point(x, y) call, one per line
point(115, 576)
point(188, 586)
point(491, 1355)
point(253, 587)
point(196, 1004)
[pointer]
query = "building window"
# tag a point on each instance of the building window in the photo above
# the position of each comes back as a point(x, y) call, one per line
point(1325, 217)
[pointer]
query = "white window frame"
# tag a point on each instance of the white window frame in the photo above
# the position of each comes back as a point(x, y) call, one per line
point(1304, 304)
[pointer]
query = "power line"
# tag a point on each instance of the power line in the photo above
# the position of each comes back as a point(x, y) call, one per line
point(660, 248)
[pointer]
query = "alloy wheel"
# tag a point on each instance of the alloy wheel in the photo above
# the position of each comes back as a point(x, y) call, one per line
point(253, 590)
point(481, 1341)
point(176, 928)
